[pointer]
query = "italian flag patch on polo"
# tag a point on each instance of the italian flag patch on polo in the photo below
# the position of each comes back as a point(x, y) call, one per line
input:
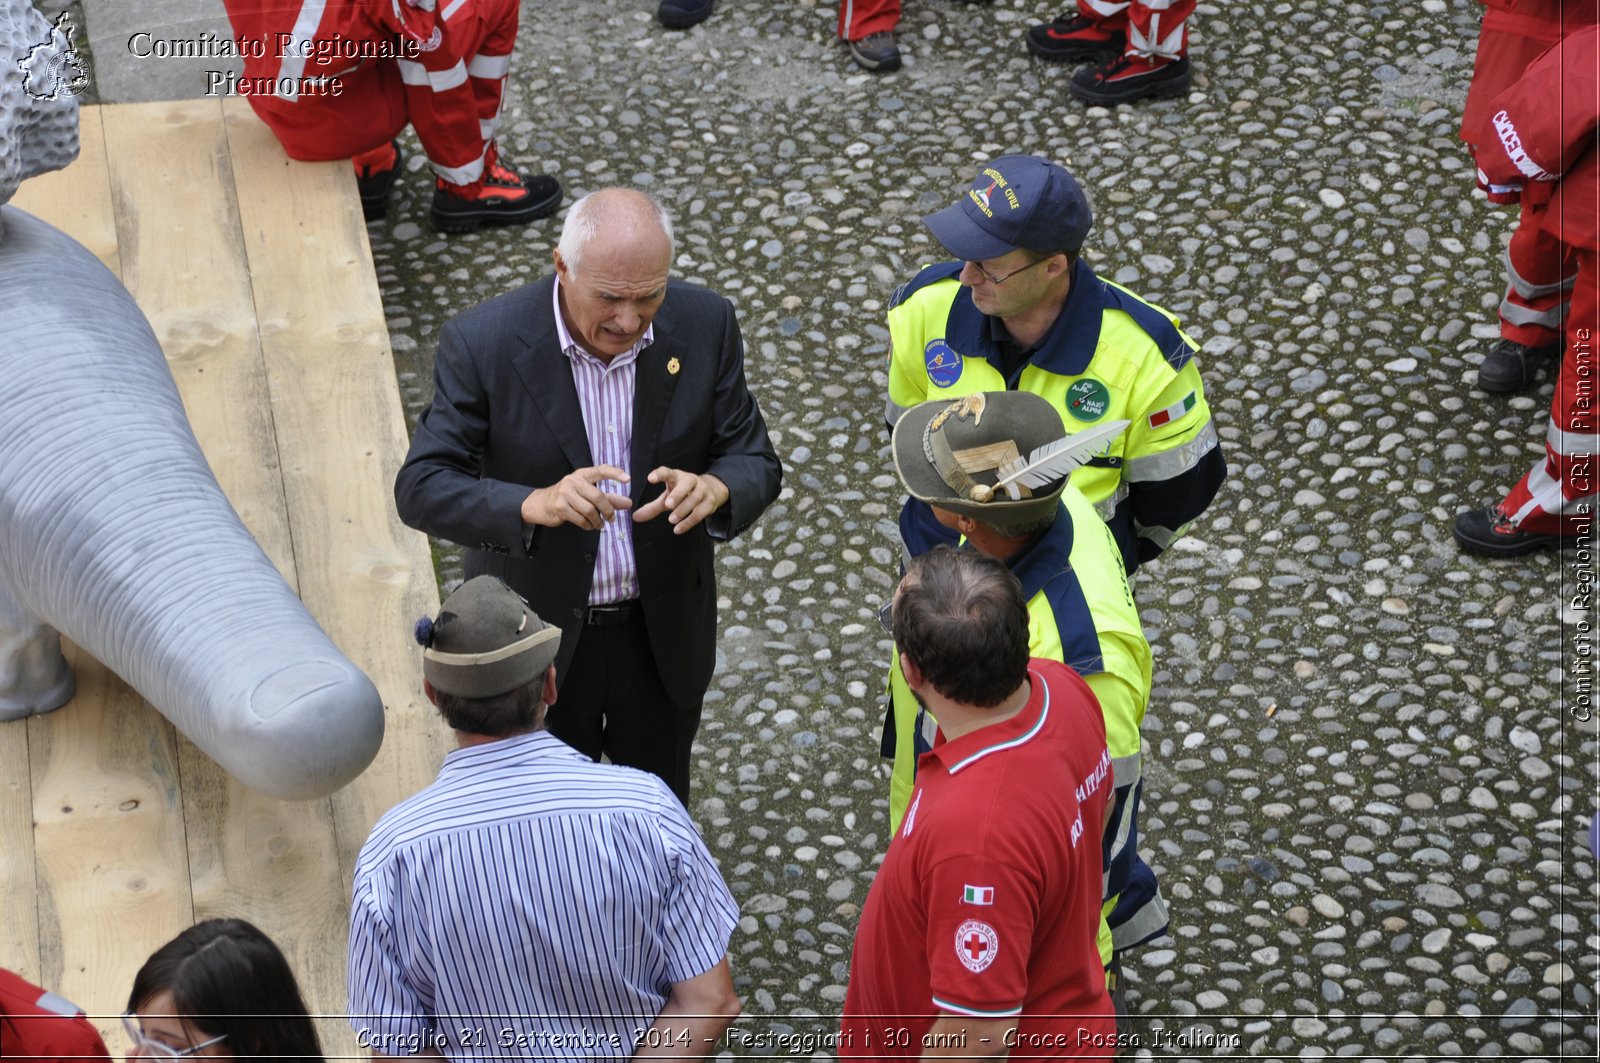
point(977, 895)
point(1173, 412)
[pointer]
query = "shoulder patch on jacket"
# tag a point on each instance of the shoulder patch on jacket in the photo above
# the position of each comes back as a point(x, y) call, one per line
point(1168, 340)
point(929, 275)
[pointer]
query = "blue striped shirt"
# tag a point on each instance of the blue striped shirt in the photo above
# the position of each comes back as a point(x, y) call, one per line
point(530, 904)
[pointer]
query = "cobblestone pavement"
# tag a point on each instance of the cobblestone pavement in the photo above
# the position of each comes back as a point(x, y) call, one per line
point(1368, 788)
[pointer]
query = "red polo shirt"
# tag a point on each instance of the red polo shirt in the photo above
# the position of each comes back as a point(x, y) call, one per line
point(988, 901)
point(38, 1025)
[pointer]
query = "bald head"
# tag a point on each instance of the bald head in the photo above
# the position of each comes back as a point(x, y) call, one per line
point(613, 260)
point(616, 218)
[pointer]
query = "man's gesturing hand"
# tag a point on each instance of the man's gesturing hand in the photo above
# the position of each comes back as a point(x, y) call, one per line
point(577, 499)
point(688, 499)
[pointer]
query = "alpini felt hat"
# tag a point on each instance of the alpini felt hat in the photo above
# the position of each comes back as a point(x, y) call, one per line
point(486, 641)
point(993, 455)
point(1015, 201)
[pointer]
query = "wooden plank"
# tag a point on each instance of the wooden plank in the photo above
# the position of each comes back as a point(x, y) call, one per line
point(112, 882)
point(178, 229)
point(19, 912)
point(341, 434)
point(272, 862)
point(78, 201)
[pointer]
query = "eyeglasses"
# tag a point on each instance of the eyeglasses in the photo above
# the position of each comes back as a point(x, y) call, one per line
point(886, 616)
point(160, 1049)
point(992, 279)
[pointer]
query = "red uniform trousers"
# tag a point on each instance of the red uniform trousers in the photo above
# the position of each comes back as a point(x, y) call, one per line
point(453, 100)
point(1154, 27)
point(1560, 493)
point(1539, 269)
point(450, 91)
point(862, 18)
point(1541, 133)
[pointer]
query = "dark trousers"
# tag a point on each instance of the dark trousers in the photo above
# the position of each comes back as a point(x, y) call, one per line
point(611, 701)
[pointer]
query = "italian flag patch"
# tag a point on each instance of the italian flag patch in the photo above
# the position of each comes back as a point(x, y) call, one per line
point(1173, 412)
point(977, 895)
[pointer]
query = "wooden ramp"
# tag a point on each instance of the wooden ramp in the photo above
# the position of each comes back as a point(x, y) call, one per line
point(116, 833)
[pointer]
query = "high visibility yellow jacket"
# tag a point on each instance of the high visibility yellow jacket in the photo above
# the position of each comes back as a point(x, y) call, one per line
point(1109, 355)
point(1080, 612)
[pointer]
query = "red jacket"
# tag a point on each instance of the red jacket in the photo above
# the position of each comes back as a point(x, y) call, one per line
point(38, 1024)
point(1546, 21)
point(1543, 129)
point(1514, 34)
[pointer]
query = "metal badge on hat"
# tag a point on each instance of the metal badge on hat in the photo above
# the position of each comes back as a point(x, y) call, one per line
point(956, 466)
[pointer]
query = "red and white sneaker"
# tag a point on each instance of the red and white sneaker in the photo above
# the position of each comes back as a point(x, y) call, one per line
point(1131, 77)
point(499, 197)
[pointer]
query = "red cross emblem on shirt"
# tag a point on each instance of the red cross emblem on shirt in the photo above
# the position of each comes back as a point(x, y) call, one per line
point(977, 944)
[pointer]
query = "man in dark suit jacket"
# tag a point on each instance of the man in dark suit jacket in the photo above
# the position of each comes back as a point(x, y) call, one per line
point(553, 400)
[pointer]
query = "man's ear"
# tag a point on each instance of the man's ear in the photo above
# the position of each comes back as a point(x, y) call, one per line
point(547, 693)
point(966, 524)
point(562, 270)
point(914, 677)
point(433, 695)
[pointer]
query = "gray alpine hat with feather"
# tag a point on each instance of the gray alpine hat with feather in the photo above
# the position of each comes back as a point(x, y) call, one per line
point(992, 455)
point(486, 641)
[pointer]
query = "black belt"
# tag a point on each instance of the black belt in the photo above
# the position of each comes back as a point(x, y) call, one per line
point(609, 615)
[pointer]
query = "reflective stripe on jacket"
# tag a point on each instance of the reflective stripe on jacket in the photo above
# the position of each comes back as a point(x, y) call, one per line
point(1108, 355)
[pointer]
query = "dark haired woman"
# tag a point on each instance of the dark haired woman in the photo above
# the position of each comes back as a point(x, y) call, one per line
point(219, 989)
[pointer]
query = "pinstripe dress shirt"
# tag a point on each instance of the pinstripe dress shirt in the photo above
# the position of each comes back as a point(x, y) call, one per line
point(605, 395)
point(530, 904)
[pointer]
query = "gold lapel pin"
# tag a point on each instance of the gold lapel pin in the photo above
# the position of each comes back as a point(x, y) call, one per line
point(673, 365)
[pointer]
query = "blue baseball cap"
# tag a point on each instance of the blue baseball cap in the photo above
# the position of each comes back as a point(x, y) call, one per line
point(1016, 201)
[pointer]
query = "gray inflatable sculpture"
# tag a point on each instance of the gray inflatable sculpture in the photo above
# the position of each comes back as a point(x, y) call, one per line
point(112, 529)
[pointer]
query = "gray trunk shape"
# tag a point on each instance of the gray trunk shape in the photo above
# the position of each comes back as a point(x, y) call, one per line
point(114, 532)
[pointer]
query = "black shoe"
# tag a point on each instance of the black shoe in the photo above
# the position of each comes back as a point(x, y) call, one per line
point(454, 214)
point(1490, 533)
point(501, 197)
point(375, 186)
point(1510, 366)
point(876, 52)
point(1071, 37)
point(681, 14)
point(1129, 77)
